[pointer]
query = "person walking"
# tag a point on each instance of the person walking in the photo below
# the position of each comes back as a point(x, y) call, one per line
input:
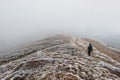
point(90, 49)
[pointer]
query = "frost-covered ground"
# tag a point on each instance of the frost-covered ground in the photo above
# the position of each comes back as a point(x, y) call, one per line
point(60, 58)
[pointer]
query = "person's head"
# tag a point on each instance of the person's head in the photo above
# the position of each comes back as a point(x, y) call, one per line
point(90, 44)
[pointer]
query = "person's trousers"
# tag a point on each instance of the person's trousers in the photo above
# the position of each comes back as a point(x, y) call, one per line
point(89, 53)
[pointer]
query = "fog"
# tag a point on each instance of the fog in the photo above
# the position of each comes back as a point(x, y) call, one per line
point(22, 21)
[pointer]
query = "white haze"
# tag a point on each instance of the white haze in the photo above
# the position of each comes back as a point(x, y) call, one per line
point(22, 21)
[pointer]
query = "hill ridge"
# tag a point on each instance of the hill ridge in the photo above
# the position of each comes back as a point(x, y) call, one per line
point(61, 57)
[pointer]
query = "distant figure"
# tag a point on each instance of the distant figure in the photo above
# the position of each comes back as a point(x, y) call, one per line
point(90, 48)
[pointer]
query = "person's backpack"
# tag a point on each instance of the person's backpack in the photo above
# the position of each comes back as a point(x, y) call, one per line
point(90, 48)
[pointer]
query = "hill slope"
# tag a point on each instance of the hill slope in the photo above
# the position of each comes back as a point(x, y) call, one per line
point(61, 58)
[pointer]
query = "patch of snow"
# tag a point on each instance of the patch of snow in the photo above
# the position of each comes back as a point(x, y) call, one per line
point(104, 64)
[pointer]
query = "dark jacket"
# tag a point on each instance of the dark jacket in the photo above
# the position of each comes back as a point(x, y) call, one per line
point(90, 48)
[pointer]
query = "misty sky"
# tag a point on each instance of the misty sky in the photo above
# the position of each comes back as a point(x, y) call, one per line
point(21, 19)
